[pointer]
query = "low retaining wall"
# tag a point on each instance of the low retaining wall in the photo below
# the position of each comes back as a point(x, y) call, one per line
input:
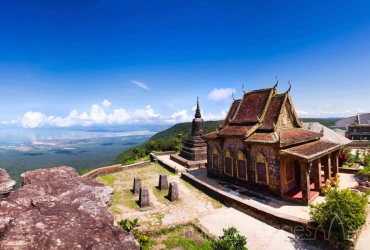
point(168, 167)
point(348, 170)
point(297, 226)
point(114, 168)
point(164, 153)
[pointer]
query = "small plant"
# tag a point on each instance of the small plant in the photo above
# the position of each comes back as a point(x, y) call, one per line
point(143, 240)
point(130, 226)
point(342, 213)
point(231, 240)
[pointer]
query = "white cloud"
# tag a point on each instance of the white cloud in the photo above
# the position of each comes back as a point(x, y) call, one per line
point(10, 122)
point(150, 112)
point(105, 104)
point(140, 84)
point(214, 117)
point(96, 115)
point(221, 94)
point(33, 119)
point(315, 113)
point(171, 106)
point(118, 116)
point(301, 112)
point(181, 116)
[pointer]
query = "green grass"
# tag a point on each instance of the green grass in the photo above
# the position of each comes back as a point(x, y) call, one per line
point(107, 180)
point(216, 204)
point(128, 201)
point(172, 237)
point(160, 195)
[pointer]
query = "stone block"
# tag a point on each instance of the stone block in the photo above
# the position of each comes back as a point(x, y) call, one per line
point(173, 193)
point(163, 183)
point(144, 201)
point(137, 186)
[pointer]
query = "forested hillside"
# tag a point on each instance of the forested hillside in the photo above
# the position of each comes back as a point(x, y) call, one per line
point(168, 140)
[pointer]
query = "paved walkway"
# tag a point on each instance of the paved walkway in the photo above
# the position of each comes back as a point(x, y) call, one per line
point(261, 235)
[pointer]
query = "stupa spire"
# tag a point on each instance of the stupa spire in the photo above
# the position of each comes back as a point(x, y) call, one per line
point(197, 111)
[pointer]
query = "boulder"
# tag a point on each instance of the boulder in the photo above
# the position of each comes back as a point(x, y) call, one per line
point(6, 184)
point(58, 209)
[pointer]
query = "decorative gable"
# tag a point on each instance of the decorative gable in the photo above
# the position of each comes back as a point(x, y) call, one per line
point(285, 119)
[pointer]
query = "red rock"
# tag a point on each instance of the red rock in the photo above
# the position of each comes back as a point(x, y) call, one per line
point(6, 184)
point(58, 209)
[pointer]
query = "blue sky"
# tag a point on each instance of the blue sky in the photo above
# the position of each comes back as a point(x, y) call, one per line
point(71, 63)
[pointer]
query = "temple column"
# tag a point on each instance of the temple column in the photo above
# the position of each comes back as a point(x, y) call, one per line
point(305, 181)
point(335, 162)
point(316, 173)
point(327, 167)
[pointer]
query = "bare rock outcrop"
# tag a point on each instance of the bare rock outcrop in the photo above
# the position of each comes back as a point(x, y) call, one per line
point(6, 184)
point(58, 209)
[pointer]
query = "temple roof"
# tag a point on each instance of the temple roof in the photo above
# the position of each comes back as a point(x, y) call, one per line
point(264, 116)
point(313, 150)
point(252, 106)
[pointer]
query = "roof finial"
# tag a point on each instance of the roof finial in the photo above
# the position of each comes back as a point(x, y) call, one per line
point(277, 82)
point(290, 86)
point(243, 89)
point(197, 112)
point(232, 95)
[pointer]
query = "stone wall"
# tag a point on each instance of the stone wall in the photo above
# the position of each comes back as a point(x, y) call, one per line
point(114, 168)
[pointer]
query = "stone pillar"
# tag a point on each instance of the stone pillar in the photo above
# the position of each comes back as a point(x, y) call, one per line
point(335, 162)
point(137, 186)
point(173, 192)
point(327, 167)
point(305, 182)
point(316, 172)
point(163, 183)
point(144, 201)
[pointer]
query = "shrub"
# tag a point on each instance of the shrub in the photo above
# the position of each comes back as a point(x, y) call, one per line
point(343, 157)
point(365, 172)
point(342, 213)
point(367, 160)
point(231, 240)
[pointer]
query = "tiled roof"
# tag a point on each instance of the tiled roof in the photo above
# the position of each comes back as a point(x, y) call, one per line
point(273, 112)
point(312, 150)
point(231, 113)
point(234, 130)
point(262, 137)
point(212, 135)
point(251, 106)
point(296, 135)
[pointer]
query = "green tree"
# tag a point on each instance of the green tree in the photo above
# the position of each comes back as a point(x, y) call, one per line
point(231, 240)
point(135, 150)
point(343, 212)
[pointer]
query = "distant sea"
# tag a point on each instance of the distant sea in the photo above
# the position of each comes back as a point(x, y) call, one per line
point(23, 149)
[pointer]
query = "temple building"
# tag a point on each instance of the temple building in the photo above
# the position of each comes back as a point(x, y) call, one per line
point(262, 146)
point(194, 150)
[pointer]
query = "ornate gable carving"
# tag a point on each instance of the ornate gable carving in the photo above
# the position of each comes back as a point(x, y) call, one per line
point(285, 118)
